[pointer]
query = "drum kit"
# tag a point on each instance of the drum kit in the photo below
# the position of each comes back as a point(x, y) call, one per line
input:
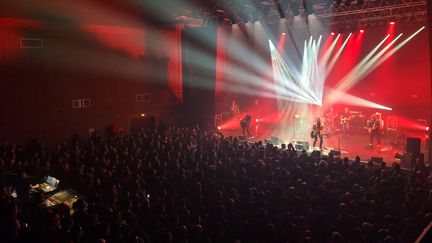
point(334, 122)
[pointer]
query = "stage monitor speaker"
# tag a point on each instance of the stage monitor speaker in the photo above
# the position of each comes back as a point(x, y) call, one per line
point(315, 154)
point(276, 140)
point(300, 145)
point(335, 152)
point(377, 159)
point(413, 146)
point(148, 124)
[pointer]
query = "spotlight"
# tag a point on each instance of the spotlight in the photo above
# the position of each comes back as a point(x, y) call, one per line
point(283, 33)
point(218, 128)
point(332, 33)
point(427, 128)
point(392, 23)
point(257, 120)
point(361, 31)
point(296, 116)
point(142, 114)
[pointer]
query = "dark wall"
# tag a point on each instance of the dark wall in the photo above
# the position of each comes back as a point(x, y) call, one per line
point(38, 84)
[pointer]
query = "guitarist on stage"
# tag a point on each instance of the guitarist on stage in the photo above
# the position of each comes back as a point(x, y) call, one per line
point(344, 120)
point(244, 123)
point(374, 131)
point(316, 133)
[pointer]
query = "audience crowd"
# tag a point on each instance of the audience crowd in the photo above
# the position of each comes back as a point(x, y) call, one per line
point(189, 185)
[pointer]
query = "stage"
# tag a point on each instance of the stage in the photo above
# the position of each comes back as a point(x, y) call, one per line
point(350, 145)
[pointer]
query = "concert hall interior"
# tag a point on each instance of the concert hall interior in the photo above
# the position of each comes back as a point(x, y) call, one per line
point(215, 121)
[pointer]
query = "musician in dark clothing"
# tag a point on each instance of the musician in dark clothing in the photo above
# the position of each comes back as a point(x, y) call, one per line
point(344, 120)
point(374, 131)
point(245, 123)
point(316, 133)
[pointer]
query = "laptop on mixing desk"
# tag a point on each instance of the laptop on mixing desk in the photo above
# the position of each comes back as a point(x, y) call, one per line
point(49, 184)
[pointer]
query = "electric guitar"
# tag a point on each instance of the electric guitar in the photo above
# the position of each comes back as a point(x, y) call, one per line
point(314, 134)
point(245, 121)
point(344, 120)
point(373, 127)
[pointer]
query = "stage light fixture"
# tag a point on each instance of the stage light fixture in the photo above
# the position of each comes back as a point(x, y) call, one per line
point(361, 31)
point(427, 128)
point(219, 128)
point(255, 16)
point(295, 7)
point(244, 16)
point(392, 23)
point(332, 33)
point(279, 9)
point(307, 5)
point(142, 114)
point(283, 33)
point(257, 120)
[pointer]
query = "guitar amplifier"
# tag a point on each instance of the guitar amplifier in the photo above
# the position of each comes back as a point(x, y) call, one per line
point(300, 145)
point(357, 125)
point(377, 159)
point(357, 122)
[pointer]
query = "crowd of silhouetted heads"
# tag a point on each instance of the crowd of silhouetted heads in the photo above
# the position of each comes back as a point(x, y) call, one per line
point(189, 185)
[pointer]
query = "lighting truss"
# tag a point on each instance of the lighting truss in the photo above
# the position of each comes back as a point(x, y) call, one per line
point(372, 12)
point(368, 13)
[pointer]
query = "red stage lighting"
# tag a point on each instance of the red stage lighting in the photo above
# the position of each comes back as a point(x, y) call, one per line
point(257, 120)
point(361, 31)
point(219, 128)
point(283, 33)
point(332, 33)
point(392, 22)
point(427, 128)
